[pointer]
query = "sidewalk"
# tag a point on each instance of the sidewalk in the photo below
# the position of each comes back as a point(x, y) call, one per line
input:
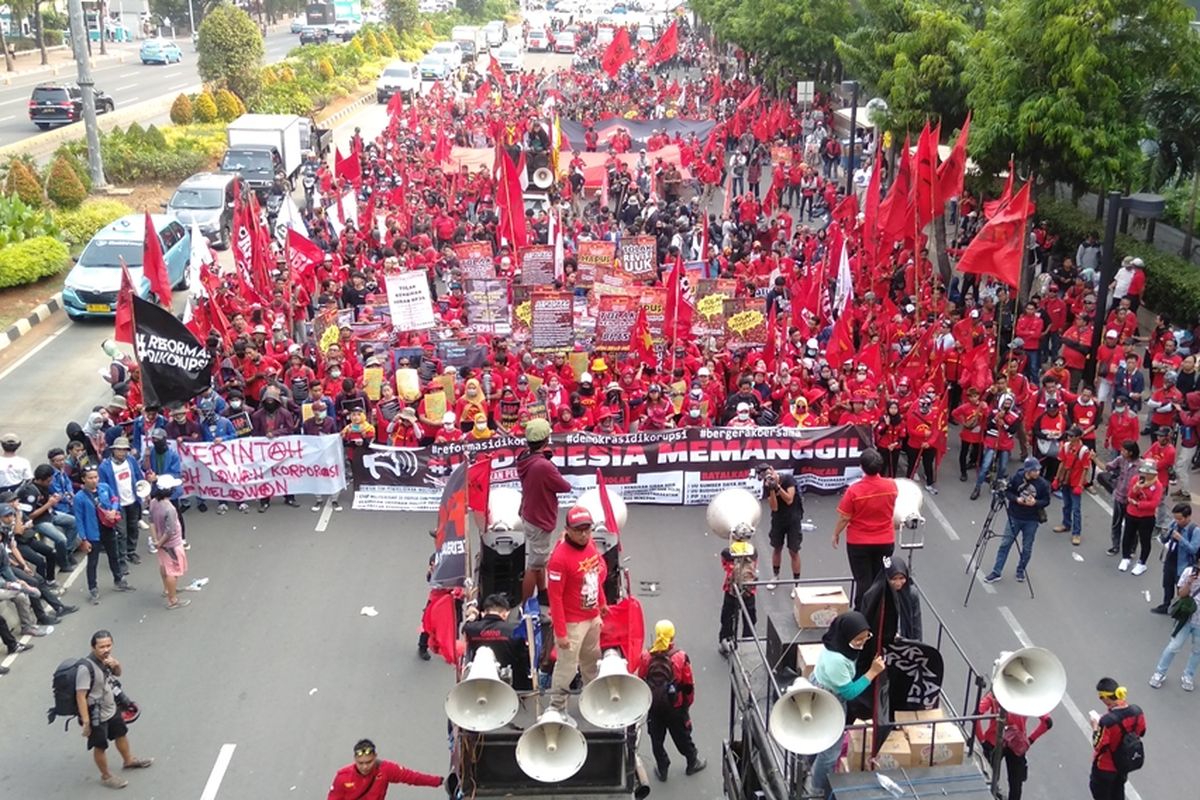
point(61, 58)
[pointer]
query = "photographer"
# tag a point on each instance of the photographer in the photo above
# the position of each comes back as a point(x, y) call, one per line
point(1027, 495)
point(787, 510)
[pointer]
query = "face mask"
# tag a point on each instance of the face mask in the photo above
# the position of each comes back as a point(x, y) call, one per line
point(481, 426)
point(320, 415)
point(335, 373)
point(471, 392)
point(160, 447)
point(859, 647)
point(743, 415)
point(270, 405)
point(694, 413)
point(235, 403)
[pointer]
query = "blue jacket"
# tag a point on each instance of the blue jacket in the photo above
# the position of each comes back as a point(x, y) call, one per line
point(217, 428)
point(109, 478)
point(61, 484)
point(139, 433)
point(86, 521)
point(1185, 549)
point(167, 463)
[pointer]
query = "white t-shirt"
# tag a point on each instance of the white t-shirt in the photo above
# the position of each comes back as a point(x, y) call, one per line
point(14, 470)
point(1123, 279)
point(124, 475)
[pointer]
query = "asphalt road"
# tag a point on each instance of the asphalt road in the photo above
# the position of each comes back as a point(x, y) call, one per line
point(127, 84)
point(275, 659)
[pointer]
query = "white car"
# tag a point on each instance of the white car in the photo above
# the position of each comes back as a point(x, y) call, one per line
point(449, 52)
point(399, 77)
point(645, 33)
point(433, 67)
point(509, 56)
point(564, 43)
point(497, 33)
point(537, 41)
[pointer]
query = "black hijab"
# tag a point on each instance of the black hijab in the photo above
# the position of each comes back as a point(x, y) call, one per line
point(843, 629)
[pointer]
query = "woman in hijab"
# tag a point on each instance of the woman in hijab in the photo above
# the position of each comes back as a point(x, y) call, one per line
point(891, 604)
point(836, 672)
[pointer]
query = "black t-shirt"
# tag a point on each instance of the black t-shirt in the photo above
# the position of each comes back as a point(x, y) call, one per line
point(493, 632)
point(787, 517)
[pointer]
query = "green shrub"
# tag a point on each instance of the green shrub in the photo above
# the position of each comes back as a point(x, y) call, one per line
point(77, 162)
point(23, 183)
point(20, 221)
point(227, 105)
point(325, 66)
point(135, 133)
point(63, 186)
point(181, 110)
point(77, 226)
point(207, 139)
point(31, 260)
point(283, 98)
point(206, 108)
point(154, 138)
point(229, 50)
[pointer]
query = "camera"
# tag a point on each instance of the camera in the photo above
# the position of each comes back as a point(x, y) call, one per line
point(768, 476)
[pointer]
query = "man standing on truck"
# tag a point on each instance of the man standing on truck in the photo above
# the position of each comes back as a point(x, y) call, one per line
point(541, 483)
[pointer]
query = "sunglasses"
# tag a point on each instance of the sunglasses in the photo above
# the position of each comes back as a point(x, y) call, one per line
point(365, 751)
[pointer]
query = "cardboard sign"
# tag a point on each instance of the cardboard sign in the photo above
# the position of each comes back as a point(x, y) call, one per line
point(537, 265)
point(711, 294)
point(678, 392)
point(373, 382)
point(639, 256)
point(552, 321)
point(578, 362)
point(487, 306)
point(522, 313)
point(615, 317)
point(447, 382)
point(781, 155)
point(745, 322)
point(654, 300)
point(475, 259)
point(435, 405)
point(410, 301)
point(241, 424)
point(408, 384)
point(592, 257)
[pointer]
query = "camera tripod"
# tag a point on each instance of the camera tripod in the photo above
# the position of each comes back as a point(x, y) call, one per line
point(986, 534)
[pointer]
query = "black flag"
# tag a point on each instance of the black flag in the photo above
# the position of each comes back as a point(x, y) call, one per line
point(175, 365)
point(450, 561)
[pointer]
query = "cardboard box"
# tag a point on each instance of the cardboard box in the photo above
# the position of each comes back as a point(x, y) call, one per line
point(816, 606)
point(806, 658)
point(945, 742)
point(896, 751)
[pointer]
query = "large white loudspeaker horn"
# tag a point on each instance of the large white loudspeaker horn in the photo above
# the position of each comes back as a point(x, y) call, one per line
point(503, 532)
point(602, 537)
point(909, 499)
point(615, 699)
point(1029, 682)
point(730, 509)
point(111, 349)
point(543, 178)
point(807, 720)
point(142, 489)
point(552, 750)
point(481, 701)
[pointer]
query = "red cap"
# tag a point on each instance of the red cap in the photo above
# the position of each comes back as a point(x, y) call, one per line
point(579, 517)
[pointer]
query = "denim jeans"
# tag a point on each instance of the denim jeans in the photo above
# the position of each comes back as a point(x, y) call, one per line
point(985, 463)
point(1033, 364)
point(1027, 528)
point(823, 764)
point(1072, 511)
point(64, 543)
point(1192, 631)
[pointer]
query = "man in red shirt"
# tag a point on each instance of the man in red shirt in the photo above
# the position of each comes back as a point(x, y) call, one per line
point(575, 582)
point(368, 777)
point(1106, 781)
point(865, 514)
point(1074, 463)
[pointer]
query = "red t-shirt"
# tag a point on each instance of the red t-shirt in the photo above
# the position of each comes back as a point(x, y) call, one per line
point(575, 582)
point(870, 505)
point(348, 784)
point(1076, 460)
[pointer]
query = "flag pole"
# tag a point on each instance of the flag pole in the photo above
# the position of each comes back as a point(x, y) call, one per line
point(469, 584)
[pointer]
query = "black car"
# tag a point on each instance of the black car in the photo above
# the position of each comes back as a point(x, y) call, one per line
point(62, 103)
point(311, 35)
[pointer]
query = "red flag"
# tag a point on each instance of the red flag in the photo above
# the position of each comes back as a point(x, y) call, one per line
point(841, 341)
point(610, 519)
point(680, 303)
point(666, 47)
point(992, 207)
point(441, 148)
point(640, 342)
point(123, 324)
point(479, 485)
point(303, 259)
point(395, 103)
point(497, 73)
point(846, 212)
point(769, 349)
point(625, 627)
point(153, 265)
point(617, 53)
point(999, 249)
point(440, 621)
point(510, 203)
point(347, 167)
point(950, 173)
point(871, 219)
point(941, 416)
point(716, 89)
point(895, 216)
point(926, 192)
point(750, 100)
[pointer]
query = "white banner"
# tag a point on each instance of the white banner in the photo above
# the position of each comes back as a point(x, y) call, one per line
point(410, 302)
point(256, 466)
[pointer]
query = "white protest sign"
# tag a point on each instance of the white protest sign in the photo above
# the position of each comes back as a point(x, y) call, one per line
point(410, 302)
point(255, 467)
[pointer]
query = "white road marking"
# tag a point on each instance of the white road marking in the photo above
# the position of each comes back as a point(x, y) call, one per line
point(20, 361)
point(132, 99)
point(326, 513)
point(941, 518)
point(6, 119)
point(1077, 716)
point(979, 575)
point(1103, 504)
point(14, 100)
point(124, 88)
point(79, 570)
point(218, 772)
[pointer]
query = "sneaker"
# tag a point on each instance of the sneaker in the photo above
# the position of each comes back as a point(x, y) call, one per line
point(94, 597)
point(134, 558)
point(963, 477)
point(771, 584)
point(202, 506)
point(1124, 565)
point(337, 506)
point(423, 653)
point(1077, 540)
point(187, 545)
point(263, 505)
point(222, 508)
point(20, 648)
point(660, 773)
point(992, 577)
point(244, 508)
point(1138, 569)
point(113, 782)
point(291, 501)
point(1187, 684)
point(62, 612)
point(1160, 609)
point(1060, 528)
point(1112, 551)
point(1020, 577)
point(975, 493)
point(724, 648)
point(123, 586)
point(52, 584)
point(143, 525)
point(931, 489)
point(150, 546)
point(316, 507)
point(37, 630)
point(696, 766)
point(1157, 680)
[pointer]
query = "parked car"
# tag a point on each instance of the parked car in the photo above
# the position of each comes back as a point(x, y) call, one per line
point(297, 25)
point(160, 51)
point(206, 199)
point(433, 67)
point(342, 30)
point(538, 41)
point(314, 35)
point(509, 56)
point(564, 42)
point(399, 77)
point(62, 103)
point(449, 52)
point(90, 289)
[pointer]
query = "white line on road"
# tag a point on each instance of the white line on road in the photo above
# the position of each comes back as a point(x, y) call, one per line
point(6, 119)
point(1072, 710)
point(124, 88)
point(326, 513)
point(941, 518)
point(32, 352)
point(14, 100)
point(979, 574)
point(132, 99)
point(218, 772)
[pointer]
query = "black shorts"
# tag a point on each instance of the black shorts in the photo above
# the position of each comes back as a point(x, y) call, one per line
point(106, 732)
point(793, 537)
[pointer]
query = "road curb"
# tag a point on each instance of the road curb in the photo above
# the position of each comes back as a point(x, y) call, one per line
point(37, 316)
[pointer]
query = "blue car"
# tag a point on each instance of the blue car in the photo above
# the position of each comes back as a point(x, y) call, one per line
point(160, 51)
point(90, 289)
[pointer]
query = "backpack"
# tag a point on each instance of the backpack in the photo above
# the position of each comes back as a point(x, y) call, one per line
point(63, 686)
point(1129, 754)
point(660, 677)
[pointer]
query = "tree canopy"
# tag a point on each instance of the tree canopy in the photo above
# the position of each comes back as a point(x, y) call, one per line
point(230, 50)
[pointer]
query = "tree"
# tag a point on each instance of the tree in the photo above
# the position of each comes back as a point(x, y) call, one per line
point(23, 182)
point(63, 186)
point(1062, 85)
point(230, 50)
point(181, 110)
point(205, 108)
point(402, 14)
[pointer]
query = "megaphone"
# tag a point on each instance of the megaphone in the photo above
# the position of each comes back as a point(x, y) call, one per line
point(602, 537)
point(481, 701)
point(807, 720)
point(142, 489)
point(553, 749)
point(733, 509)
point(111, 349)
point(503, 533)
point(542, 178)
point(1029, 682)
point(909, 499)
point(615, 699)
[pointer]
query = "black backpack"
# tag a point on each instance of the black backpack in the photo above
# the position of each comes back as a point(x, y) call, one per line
point(63, 686)
point(1130, 753)
point(660, 677)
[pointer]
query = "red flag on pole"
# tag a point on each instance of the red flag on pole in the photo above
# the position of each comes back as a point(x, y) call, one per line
point(926, 192)
point(895, 214)
point(153, 265)
point(750, 100)
point(510, 203)
point(678, 313)
point(871, 219)
point(618, 53)
point(123, 324)
point(640, 342)
point(992, 207)
point(999, 248)
point(497, 72)
point(666, 47)
point(395, 103)
point(479, 485)
point(950, 173)
point(347, 167)
point(769, 349)
point(610, 519)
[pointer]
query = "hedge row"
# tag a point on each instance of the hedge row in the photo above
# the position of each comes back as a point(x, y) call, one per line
point(31, 260)
point(1172, 284)
point(79, 225)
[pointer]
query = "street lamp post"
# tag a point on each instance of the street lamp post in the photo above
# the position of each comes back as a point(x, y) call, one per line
point(852, 87)
point(1149, 206)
